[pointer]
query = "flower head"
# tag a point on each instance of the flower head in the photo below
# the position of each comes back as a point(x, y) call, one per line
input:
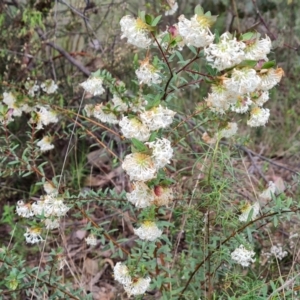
point(243, 256)
point(121, 274)
point(51, 223)
point(49, 86)
point(33, 235)
point(267, 193)
point(230, 130)
point(134, 128)
point(138, 286)
point(270, 77)
point(148, 231)
point(141, 196)
point(45, 144)
point(101, 113)
point(247, 209)
point(157, 117)
point(136, 31)
point(148, 74)
point(258, 49)
point(242, 104)
point(93, 85)
point(162, 152)
point(24, 210)
point(226, 54)
point(119, 104)
point(242, 81)
point(259, 117)
point(139, 167)
point(43, 115)
point(196, 31)
point(91, 240)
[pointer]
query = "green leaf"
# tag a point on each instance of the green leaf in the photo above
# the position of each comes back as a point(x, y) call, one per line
point(269, 64)
point(248, 63)
point(199, 10)
point(148, 19)
point(247, 36)
point(139, 145)
point(156, 20)
point(142, 14)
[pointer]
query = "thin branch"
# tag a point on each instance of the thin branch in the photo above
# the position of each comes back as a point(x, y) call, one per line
point(73, 61)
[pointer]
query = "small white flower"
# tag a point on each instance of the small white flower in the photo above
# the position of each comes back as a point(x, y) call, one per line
point(49, 188)
point(24, 210)
point(136, 31)
point(50, 206)
point(242, 81)
point(242, 104)
point(230, 130)
point(278, 252)
point(33, 235)
point(91, 240)
point(43, 116)
point(32, 87)
point(196, 31)
point(137, 287)
point(119, 104)
point(261, 98)
point(148, 231)
point(162, 152)
point(267, 193)
point(243, 256)
point(148, 74)
point(258, 117)
point(51, 223)
point(269, 78)
point(49, 86)
point(121, 274)
point(45, 144)
point(139, 167)
point(141, 196)
point(104, 116)
point(258, 49)
point(134, 128)
point(226, 54)
point(219, 100)
point(157, 117)
point(93, 85)
point(247, 210)
point(89, 110)
point(172, 10)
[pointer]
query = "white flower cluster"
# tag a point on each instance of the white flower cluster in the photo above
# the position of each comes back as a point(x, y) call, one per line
point(267, 193)
point(195, 32)
point(243, 256)
point(148, 231)
point(48, 86)
point(43, 116)
point(33, 235)
point(148, 74)
point(45, 144)
point(133, 287)
point(247, 210)
point(91, 240)
point(50, 206)
point(276, 251)
point(142, 196)
point(93, 85)
point(136, 31)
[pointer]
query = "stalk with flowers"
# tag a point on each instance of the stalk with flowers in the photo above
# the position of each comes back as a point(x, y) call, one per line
point(240, 77)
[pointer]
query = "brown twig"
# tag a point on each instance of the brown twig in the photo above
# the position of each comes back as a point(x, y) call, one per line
point(64, 53)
